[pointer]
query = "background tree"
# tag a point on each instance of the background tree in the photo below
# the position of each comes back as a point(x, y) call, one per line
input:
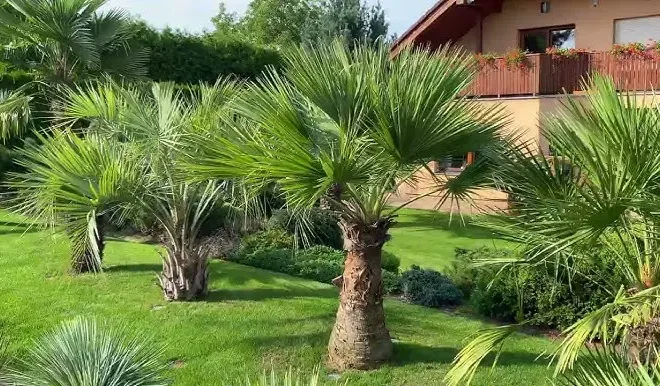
point(351, 20)
point(602, 195)
point(356, 124)
point(277, 22)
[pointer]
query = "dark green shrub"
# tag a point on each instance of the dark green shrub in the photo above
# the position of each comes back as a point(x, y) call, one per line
point(429, 288)
point(190, 59)
point(277, 260)
point(319, 270)
point(321, 227)
point(390, 262)
point(391, 283)
point(321, 252)
point(320, 263)
point(272, 238)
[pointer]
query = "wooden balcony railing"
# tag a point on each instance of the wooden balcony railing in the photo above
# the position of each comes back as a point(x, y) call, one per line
point(546, 74)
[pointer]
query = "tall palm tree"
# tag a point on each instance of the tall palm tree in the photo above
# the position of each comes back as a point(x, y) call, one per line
point(600, 192)
point(350, 126)
point(68, 40)
point(152, 122)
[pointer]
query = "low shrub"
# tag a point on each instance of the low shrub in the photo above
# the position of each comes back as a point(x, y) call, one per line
point(429, 288)
point(542, 296)
point(390, 262)
point(323, 226)
point(272, 238)
point(277, 260)
point(318, 263)
point(391, 283)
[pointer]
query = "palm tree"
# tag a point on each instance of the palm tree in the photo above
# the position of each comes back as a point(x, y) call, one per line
point(76, 184)
point(15, 113)
point(151, 123)
point(61, 42)
point(601, 192)
point(64, 41)
point(350, 126)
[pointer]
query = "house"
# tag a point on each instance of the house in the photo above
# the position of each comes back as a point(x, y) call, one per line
point(531, 53)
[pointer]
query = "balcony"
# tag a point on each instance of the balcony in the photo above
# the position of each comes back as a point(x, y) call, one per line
point(546, 74)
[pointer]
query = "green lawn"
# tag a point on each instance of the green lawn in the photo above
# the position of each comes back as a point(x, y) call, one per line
point(428, 238)
point(252, 319)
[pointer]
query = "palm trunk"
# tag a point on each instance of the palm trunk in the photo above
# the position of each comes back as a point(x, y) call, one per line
point(185, 274)
point(360, 339)
point(333, 193)
point(86, 262)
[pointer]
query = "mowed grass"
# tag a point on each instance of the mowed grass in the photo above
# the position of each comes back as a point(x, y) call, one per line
point(252, 320)
point(428, 238)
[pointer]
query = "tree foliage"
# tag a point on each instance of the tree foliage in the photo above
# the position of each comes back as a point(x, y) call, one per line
point(68, 40)
point(291, 22)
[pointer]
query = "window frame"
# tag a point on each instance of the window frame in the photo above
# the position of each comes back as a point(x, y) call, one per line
point(548, 33)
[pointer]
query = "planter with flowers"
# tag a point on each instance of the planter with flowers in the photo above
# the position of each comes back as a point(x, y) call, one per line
point(486, 60)
point(648, 51)
point(517, 59)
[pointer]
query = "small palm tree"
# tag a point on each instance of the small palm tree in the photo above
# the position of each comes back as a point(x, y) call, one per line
point(82, 353)
point(76, 184)
point(601, 192)
point(70, 40)
point(350, 126)
point(151, 123)
point(15, 113)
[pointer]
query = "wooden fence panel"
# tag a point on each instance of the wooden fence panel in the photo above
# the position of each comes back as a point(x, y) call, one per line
point(548, 75)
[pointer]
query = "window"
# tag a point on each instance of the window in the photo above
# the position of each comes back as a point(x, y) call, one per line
point(637, 30)
point(454, 164)
point(538, 40)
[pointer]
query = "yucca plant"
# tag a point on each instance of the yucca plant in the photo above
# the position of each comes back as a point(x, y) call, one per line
point(84, 353)
point(151, 122)
point(76, 184)
point(289, 379)
point(600, 192)
point(349, 126)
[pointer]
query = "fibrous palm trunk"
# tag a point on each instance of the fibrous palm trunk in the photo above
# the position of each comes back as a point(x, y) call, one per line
point(88, 261)
point(185, 273)
point(360, 339)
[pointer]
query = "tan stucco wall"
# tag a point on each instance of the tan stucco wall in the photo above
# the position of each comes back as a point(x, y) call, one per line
point(470, 41)
point(526, 120)
point(594, 26)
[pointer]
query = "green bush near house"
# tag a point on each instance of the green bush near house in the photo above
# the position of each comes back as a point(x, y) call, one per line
point(549, 298)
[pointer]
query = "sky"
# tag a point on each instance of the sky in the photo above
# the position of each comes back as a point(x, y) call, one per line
point(195, 15)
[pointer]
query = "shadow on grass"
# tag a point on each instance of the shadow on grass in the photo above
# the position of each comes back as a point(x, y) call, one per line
point(17, 228)
point(259, 294)
point(411, 353)
point(134, 268)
